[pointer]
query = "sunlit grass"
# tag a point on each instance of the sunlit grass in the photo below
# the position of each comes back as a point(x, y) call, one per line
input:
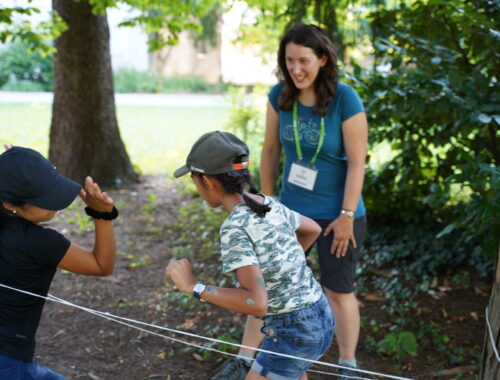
point(157, 138)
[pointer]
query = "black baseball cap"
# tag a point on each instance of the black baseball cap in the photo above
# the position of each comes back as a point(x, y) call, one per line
point(216, 153)
point(25, 175)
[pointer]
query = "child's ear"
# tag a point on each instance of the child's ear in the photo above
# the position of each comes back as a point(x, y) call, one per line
point(211, 182)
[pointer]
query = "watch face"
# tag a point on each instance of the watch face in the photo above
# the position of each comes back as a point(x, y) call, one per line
point(199, 287)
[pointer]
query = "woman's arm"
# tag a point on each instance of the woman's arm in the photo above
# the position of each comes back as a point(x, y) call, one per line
point(308, 232)
point(250, 298)
point(101, 260)
point(355, 135)
point(271, 150)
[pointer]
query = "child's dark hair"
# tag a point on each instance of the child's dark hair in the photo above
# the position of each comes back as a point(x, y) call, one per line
point(234, 182)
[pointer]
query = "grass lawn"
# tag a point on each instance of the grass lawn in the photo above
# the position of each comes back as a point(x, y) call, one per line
point(157, 138)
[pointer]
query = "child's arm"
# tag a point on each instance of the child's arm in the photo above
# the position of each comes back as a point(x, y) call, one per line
point(250, 298)
point(101, 260)
point(308, 232)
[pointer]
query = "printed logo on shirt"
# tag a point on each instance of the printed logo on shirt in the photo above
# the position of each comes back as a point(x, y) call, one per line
point(308, 132)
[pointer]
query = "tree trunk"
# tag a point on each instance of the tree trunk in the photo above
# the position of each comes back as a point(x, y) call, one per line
point(490, 366)
point(84, 135)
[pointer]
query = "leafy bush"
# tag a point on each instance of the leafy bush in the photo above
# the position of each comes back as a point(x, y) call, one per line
point(25, 70)
point(400, 344)
point(132, 81)
point(436, 107)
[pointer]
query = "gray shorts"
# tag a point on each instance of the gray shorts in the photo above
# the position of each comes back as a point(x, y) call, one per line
point(338, 274)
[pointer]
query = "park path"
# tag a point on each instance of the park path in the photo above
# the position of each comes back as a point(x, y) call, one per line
point(159, 100)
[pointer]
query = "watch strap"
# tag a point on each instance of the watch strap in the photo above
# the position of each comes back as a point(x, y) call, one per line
point(201, 285)
point(348, 213)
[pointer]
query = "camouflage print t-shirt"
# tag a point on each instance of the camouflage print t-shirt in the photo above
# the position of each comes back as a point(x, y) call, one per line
point(270, 243)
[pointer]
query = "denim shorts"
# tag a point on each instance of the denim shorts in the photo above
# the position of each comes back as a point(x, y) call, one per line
point(306, 333)
point(13, 369)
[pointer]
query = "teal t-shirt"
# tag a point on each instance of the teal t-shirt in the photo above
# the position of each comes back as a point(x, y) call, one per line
point(325, 200)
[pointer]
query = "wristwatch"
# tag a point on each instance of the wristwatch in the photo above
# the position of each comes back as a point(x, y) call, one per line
point(198, 289)
point(348, 213)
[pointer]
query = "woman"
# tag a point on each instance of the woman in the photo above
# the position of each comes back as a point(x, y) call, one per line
point(321, 125)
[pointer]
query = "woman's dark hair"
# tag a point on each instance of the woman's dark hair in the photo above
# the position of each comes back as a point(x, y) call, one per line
point(325, 85)
point(234, 182)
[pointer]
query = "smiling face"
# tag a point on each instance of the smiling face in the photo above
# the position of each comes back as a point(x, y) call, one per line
point(303, 65)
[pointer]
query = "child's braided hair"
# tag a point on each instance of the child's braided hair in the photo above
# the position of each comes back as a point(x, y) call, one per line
point(234, 182)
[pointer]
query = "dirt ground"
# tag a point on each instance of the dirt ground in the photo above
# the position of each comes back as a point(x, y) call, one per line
point(80, 345)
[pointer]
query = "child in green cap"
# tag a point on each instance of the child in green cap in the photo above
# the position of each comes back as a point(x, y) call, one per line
point(263, 243)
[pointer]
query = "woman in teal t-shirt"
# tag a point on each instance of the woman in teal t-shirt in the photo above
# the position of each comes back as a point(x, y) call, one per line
point(321, 125)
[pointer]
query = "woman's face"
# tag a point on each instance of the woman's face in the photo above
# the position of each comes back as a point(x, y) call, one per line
point(303, 65)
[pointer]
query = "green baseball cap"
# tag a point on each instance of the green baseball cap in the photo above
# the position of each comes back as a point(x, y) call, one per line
point(216, 153)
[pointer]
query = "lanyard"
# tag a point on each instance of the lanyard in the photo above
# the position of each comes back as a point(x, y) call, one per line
point(297, 139)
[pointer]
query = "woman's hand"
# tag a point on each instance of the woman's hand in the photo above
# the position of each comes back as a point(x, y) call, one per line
point(181, 273)
point(93, 197)
point(343, 233)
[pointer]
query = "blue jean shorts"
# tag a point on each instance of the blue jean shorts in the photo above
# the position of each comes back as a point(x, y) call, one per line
point(306, 333)
point(13, 369)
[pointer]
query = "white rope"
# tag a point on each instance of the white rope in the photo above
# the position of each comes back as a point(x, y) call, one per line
point(337, 374)
point(120, 320)
point(103, 315)
point(490, 333)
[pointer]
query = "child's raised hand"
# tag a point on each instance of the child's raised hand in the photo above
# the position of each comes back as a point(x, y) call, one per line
point(181, 273)
point(93, 197)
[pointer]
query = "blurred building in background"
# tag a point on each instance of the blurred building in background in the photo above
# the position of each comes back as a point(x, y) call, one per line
point(226, 60)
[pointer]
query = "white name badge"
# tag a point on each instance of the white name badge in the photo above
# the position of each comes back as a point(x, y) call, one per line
point(302, 176)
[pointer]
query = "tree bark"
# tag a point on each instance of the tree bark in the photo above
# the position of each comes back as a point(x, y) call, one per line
point(84, 135)
point(490, 366)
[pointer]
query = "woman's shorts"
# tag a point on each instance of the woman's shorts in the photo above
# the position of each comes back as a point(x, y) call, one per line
point(338, 274)
point(306, 333)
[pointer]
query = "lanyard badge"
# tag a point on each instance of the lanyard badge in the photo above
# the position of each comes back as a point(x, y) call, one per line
point(300, 174)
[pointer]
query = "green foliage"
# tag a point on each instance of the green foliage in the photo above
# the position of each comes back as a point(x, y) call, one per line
point(415, 248)
point(197, 232)
point(82, 223)
point(132, 81)
point(246, 117)
point(165, 19)
point(247, 121)
point(400, 345)
point(23, 69)
point(437, 108)
point(16, 26)
point(344, 20)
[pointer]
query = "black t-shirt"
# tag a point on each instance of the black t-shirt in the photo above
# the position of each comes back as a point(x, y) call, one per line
point(29, 255)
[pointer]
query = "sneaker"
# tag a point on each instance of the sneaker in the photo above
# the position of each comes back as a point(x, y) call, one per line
point(233, 369)
point(346, 373)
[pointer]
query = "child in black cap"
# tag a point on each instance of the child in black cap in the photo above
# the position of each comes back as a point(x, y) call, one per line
point(262, 243)
point(31, 192)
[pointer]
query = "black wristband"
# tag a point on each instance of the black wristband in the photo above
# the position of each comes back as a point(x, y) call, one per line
point(102, 215)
